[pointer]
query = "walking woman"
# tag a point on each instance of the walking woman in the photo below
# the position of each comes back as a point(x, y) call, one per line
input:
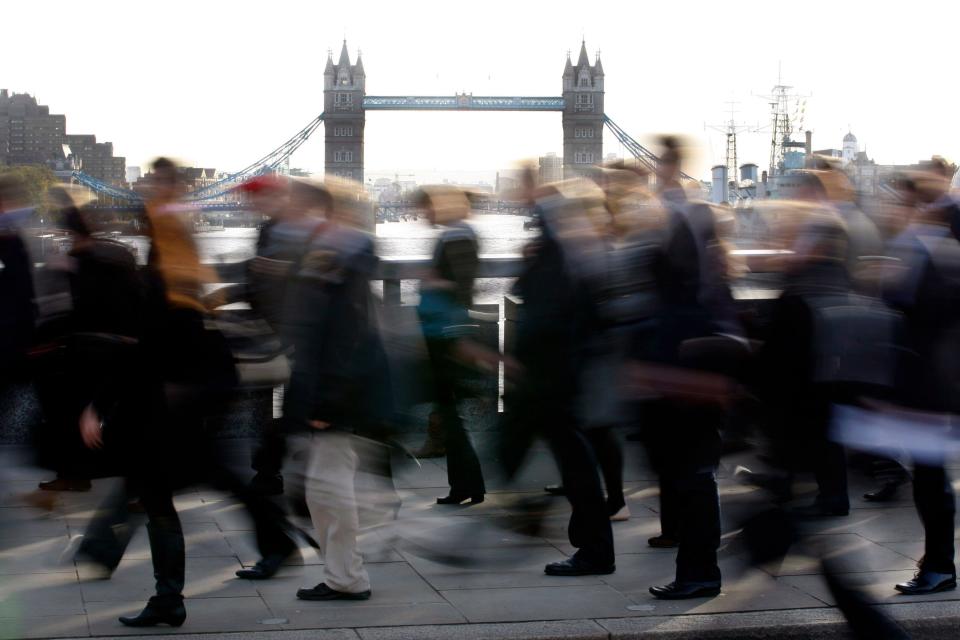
point(446, 294)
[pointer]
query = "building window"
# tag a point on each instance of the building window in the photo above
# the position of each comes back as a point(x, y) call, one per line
point(584, 81)
point(342, 132)
point(344, 99)
point(584, 102)
point(583, 157)
point(583, 132)
point(343, 156)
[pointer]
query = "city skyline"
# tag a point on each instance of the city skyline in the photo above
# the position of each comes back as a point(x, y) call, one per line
point(205, 96)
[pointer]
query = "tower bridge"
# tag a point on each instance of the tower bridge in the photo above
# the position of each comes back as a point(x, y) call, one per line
point(345, 105)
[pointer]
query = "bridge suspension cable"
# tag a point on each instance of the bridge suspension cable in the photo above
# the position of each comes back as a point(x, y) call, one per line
point(637, 150)
point(264, 164)
point(267, 163)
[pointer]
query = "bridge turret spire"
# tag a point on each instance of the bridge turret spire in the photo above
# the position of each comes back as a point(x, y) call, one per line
point(598, 66)
point(344, 56)
point(329, 70)
point(568, 67)
point(584, 59)
point(358, 71)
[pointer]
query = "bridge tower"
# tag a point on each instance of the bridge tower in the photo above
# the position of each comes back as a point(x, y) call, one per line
point(344, 86)
point(582, 114)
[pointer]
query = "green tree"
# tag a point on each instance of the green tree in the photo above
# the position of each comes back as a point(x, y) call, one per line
point(36, 180)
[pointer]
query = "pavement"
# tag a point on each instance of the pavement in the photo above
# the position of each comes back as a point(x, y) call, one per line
point(498, 591)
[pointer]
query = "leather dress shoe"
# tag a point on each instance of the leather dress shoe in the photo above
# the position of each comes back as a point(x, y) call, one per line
point(663, 542)
point(575, 567)
point(323, 592)
point(684, 590)
point(264, 569)
point(155, 613)
point(65, 484)
point(886, 493)
point(555, 489)
point(927, 582)
point(460, 499)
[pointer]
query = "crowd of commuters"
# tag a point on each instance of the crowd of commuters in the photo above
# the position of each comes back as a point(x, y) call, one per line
point(628, 320)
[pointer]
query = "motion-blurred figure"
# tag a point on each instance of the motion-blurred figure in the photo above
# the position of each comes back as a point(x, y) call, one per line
point(267, 276)
point(16, 282)
point(927, 292)
point(330, 322)
point(562, 266)
point(446, 295)
point(189, 378)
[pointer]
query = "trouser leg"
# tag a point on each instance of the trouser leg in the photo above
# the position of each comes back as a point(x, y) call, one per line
point(589, 528)
point(463, 466)
point(936, 504)
point(699, 510)
point(610, 458)
point(109, 532)
point(268, 458)
point(166, 544)
point(330, 494)
point(831, 474)
point(269, 520)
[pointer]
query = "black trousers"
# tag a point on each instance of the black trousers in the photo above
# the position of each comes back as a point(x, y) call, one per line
point(690, 458)
point(936, 504)
point(589, 530)
point(464, 473)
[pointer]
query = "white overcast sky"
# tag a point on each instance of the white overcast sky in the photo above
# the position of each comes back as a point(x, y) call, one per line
point(219, 84)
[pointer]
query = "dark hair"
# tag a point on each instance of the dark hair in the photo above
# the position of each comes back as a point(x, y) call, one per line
point(671, 149)
point(163, 164)
point(73, 221)
point(166, 170)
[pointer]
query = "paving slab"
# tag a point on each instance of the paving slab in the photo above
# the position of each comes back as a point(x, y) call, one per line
point(203, 616)
point(562, 602)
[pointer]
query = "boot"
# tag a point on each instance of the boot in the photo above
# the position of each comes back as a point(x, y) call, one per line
point(158, 611)
point(167, 549)
point(433, 446)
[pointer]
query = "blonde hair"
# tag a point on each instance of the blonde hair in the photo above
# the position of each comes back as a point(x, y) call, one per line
point(449, 204)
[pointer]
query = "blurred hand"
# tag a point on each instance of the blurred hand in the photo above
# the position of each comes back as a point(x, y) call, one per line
point(91, 428)
point(319, 425)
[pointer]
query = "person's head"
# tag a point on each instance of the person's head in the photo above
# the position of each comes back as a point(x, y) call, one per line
point(13, 193)
point(268, 194)
point(166, 182)
point(350, 205)
point(671, 157)
point(442, 204)
point(309, 198)
point(809, 187)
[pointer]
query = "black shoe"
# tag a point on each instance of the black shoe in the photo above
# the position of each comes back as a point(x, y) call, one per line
point(65, 484)
point(776, 484)
point(684, 590)
point(264, 569)
point(886, 493)
point(555, 489)
point(267, 484)
point(459, 499)
point(663, 542)
point(574, 567)
point(154, 614)
point(323, 592)
point(927, 582)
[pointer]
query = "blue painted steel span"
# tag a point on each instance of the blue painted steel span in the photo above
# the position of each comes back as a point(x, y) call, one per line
point(464, 102)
